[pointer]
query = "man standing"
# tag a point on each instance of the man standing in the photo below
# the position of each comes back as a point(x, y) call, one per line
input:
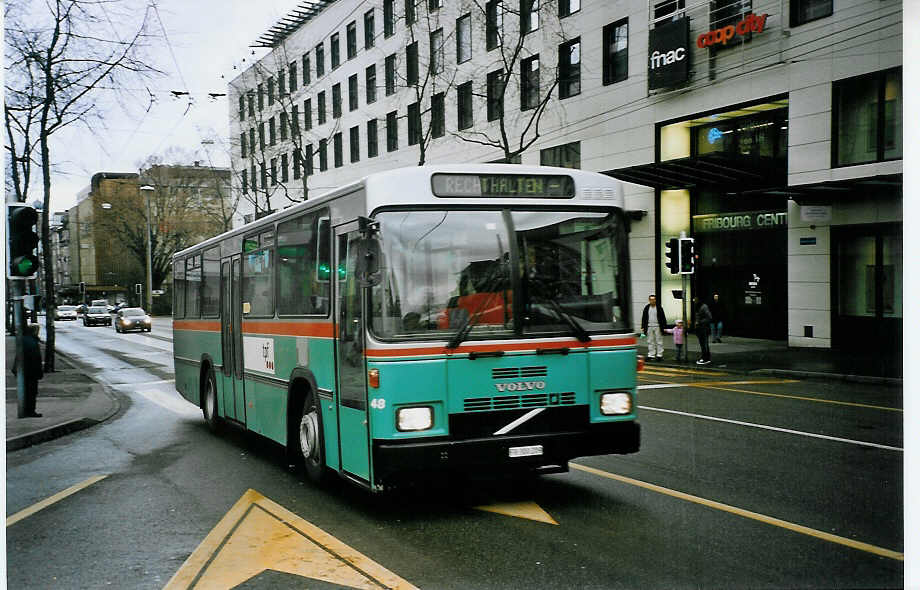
point(652, 325)
point(703, 321)
point(32, 365)
point(716, 310)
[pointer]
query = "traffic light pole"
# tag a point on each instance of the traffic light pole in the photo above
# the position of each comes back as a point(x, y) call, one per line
point(19, 320)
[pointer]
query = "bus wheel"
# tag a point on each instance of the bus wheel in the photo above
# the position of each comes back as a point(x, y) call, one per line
point(209, 403)
point(310, 437)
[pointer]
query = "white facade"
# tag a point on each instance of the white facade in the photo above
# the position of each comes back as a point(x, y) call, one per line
point(616, 124)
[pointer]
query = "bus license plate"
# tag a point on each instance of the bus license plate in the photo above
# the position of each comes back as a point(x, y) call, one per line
point(529, 451)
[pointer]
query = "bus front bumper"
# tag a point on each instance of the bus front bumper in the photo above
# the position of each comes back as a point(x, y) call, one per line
point(395, 460)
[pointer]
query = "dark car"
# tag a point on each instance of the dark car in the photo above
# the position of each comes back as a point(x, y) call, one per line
point(96, 316)
point(132, 318)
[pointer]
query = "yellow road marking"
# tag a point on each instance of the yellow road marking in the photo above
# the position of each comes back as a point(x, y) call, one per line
point(674, 371)
point(746, 513)
point(51, 500)
point(529, 510)
point(258, 534)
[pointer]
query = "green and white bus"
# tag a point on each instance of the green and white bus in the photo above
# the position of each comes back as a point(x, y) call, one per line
point(462, 318)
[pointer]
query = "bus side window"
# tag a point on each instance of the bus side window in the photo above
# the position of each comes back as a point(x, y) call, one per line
point(301, 291)
point(179, 289)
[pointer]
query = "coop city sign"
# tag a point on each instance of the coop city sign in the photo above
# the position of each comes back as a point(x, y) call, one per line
point(752, 24)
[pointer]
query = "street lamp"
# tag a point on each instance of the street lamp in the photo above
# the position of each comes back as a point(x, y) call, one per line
point(147, 189)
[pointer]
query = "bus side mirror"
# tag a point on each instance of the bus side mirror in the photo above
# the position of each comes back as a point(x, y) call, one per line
point(368, 263)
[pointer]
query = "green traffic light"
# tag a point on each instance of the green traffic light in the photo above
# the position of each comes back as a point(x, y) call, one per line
point(24, 267)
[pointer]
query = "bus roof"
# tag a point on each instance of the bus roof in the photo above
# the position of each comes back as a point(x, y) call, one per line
point(413, 186)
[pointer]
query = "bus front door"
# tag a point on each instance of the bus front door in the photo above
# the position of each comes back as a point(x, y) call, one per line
point(350, 363)
point(231, 339)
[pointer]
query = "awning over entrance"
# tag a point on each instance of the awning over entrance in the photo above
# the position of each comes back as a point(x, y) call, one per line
point(710, 170)
point(826, 193)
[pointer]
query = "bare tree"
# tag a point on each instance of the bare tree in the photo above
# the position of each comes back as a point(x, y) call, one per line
point(516, 130)
point(60, 62)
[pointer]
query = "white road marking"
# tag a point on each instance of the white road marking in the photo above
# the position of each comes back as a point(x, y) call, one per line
point(775, 428)
point(518, 422)
point(171, 401)
point(662, 385)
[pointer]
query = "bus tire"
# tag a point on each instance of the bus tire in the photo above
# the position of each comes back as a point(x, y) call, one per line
point(209, 402)
point(310, 440)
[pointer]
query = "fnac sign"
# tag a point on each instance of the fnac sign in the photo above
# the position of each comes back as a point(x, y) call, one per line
point(752, 24)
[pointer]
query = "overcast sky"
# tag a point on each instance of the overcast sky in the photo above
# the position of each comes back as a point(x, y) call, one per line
point(208, 38)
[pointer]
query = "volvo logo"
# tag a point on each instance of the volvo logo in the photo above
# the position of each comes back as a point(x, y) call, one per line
point(521, 386)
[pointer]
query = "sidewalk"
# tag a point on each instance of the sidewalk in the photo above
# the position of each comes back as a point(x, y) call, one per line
point(775, 357)
point(68, 400)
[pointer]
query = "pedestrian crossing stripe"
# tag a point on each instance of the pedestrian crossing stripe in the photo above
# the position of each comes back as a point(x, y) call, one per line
point(258, 535)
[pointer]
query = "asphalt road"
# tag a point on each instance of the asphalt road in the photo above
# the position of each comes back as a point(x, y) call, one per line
point(741, 482)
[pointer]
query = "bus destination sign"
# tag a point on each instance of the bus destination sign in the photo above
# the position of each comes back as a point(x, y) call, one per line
point(552, 186)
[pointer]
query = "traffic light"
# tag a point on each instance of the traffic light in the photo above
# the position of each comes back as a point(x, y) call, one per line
point(687, 259)
point(82, 288)
point(672, 251)
point(137, 288)
point(23, 241)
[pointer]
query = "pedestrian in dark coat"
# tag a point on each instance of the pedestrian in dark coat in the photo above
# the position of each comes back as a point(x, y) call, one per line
point(717, 312)
point(32, 365)
point(653, 322)
point(703, 321)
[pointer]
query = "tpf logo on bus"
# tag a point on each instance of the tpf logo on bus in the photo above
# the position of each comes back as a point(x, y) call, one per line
point(259, 354)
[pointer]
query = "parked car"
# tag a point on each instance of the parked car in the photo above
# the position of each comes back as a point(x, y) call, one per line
point(95, 316)
point(132, 318)
point(66, 312)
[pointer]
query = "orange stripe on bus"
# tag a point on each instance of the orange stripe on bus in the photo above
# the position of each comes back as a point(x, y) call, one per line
point(202, 325)
point(432, 350)
point(317, 329)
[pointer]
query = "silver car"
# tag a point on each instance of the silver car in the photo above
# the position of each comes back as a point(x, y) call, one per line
point(132, 318)
point(65, 312)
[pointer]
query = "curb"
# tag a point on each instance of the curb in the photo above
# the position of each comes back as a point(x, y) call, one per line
point(891, 381)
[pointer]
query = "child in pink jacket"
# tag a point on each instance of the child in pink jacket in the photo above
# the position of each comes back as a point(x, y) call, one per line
point(678, 332)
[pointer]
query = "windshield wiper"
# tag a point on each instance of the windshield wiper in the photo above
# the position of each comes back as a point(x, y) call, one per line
point(464, 330)
point(577, 329)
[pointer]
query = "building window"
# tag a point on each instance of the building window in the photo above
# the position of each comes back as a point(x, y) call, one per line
point(565, 156)
point(323, 157)
point(415, 124)
point(369, 32)
point(252, 177)
point(284, 167)
point(280, 84)
point(295, 121)
point(390, 73)
point(495, 99)
point(410, 12)
point(354, 145)
point(245, 182)
point(464, 38)
point(435, 5)
point(334, 51)
point(284, 125)
point(493, 24)
point(412, 64)
point(271, 90)
point(337, 150)
point(669, 10)
point(261, 93)
point(728, 12)
point(616, 54)
point(263, 175)
point(568, 7)
point(274, 171)
point(305, 66)
point(437, 115)
point(298, 163)
point(372, 138)
point(292, 76)
point(320, 60)
point(351, 40)
point(530, 82)
point(242, 145)
point(392, 132)
point(252, 141)
point(272, 133)
point(389, 18)
point(570, 68)
point(805, 11)
point(336, 101)
point(370, 84)
point(242, 108)
point(465, 105)
point(308, 159)
point(530, 15)
point(867, 118)
point(321, 108)
point(307, 114)
point(262, 135)
point(353, 92)
point(251, 103)
point(436, 47)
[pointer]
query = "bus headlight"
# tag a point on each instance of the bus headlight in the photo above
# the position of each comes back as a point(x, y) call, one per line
point(414, 419)
point(615, 404)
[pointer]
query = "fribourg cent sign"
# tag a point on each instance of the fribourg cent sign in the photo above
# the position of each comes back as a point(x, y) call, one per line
point(669, 54)
point(738, 221)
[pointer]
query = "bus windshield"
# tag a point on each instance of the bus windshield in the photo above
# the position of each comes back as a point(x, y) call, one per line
point(468, 275)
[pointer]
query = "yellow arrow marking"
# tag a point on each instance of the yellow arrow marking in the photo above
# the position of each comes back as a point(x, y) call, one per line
point(55, 498)
point(258, 534)
point(529, 510)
